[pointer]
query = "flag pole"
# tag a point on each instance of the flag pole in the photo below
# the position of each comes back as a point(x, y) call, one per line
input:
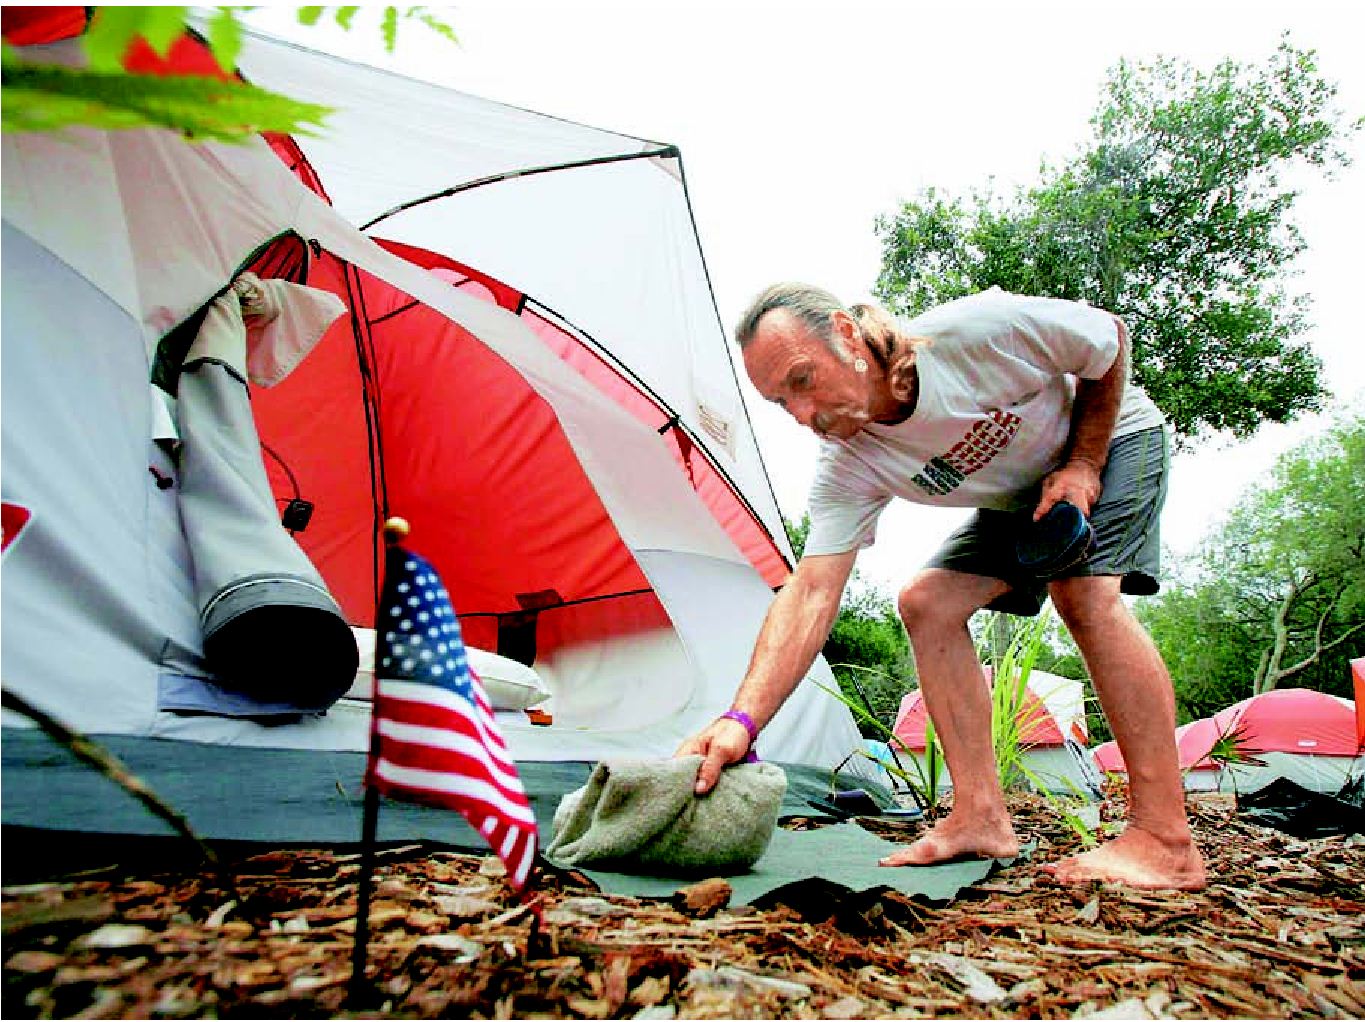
point(361, 992)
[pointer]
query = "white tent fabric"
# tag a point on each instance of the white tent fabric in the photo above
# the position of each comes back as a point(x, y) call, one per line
point(1327, 774)
point(98, 610)
point(610, 246)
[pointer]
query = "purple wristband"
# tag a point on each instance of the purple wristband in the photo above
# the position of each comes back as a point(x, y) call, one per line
point(740, 717)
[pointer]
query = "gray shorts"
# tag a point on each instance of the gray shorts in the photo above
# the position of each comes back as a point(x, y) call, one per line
point(1126, 523)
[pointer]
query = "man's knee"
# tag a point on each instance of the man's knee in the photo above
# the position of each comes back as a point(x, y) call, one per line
point(937, 598)
point(1085, 601)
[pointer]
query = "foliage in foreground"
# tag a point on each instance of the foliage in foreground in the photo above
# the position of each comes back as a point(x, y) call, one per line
point(1176, 217)
point(103, 95)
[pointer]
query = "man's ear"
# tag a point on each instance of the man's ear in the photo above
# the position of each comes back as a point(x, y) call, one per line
point(901, 376)
point(845, 329)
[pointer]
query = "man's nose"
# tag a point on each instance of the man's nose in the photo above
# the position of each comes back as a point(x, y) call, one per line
point(802, 410)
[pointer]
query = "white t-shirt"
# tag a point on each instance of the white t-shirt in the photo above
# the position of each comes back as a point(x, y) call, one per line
point(993, 416)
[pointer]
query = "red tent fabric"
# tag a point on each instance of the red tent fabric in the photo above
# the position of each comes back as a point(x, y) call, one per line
point(1108, 758)
point(31, 26)
point(1283, 720)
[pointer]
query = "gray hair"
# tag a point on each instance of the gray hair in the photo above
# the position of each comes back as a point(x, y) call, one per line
point(813, 306)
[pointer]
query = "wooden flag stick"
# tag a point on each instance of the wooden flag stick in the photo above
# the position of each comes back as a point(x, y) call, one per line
point(361, 993)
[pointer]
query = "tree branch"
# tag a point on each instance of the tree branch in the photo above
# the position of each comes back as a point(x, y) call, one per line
point(95, 755)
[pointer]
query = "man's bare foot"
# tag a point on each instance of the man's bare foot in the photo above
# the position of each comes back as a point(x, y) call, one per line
point(1136, 858)
point(956, 837)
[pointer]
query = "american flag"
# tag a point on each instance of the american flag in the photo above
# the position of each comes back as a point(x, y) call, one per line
point(437, 740)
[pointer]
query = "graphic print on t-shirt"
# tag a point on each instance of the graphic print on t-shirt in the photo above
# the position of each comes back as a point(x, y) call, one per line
point(987, 438)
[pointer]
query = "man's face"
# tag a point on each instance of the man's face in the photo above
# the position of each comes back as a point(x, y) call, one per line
point(792, 367)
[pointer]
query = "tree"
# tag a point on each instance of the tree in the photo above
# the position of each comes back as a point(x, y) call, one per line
point(1277, 593)
point(49, 97)
point(1174, 216)
point(867, 647)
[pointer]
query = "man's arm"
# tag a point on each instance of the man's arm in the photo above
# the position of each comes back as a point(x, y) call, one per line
point(793, 633)
point(1093, 415)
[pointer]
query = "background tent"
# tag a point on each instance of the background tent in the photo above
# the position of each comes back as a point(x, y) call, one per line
point(1051, 721)
point(1306, 736)
point(562, 424)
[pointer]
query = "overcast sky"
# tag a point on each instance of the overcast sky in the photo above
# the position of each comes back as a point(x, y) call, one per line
point(799, 123)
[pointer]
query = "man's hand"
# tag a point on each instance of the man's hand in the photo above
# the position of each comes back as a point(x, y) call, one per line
point(1077, 481)
point(723, 742)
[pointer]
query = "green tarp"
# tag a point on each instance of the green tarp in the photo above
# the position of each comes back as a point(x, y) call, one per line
point(58, 811)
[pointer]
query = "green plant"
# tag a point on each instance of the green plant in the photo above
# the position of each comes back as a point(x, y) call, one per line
point(924, 779)
point(1012, 719)
point(1231, 749)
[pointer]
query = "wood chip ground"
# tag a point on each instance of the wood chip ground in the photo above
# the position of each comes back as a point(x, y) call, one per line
point(1279, 933)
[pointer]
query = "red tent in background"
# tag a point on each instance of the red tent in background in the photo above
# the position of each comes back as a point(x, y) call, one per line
point(1289, 720)
point(1037, 725)
point(1052, 734)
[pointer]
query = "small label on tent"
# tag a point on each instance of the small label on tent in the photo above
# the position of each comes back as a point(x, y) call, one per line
point(1307, 743)
point(717, 426)
point(14, 518)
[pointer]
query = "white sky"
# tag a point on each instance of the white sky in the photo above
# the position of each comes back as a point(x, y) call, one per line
point(800, 122)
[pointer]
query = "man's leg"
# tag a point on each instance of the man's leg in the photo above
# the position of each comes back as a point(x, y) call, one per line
point(935, 608)
point(1156, 850)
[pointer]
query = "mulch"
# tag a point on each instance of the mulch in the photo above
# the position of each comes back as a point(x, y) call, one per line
point(1279, 933)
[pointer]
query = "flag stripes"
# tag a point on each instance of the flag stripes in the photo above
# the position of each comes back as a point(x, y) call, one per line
point(436, 739)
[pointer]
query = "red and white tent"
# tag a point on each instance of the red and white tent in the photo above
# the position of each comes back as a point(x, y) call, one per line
point(532, 372)
point(1051, 731)
point(1308, 736)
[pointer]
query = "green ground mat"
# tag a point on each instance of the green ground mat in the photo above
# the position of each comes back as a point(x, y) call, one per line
point(843, 854)
point(59, 813)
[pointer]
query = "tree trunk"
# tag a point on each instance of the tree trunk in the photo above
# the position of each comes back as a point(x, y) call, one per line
point(1271, 670)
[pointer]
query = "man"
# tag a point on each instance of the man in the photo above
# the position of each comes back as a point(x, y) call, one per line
point(1007, 404)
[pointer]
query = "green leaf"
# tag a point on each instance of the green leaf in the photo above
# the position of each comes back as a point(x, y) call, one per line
point(436, 25)
point(40, 97)
point(113, 29)
point(110, 32)
point(344, 16)
point(225, 38)
point(310, 15)
point(389, 28)
point(162, 26)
